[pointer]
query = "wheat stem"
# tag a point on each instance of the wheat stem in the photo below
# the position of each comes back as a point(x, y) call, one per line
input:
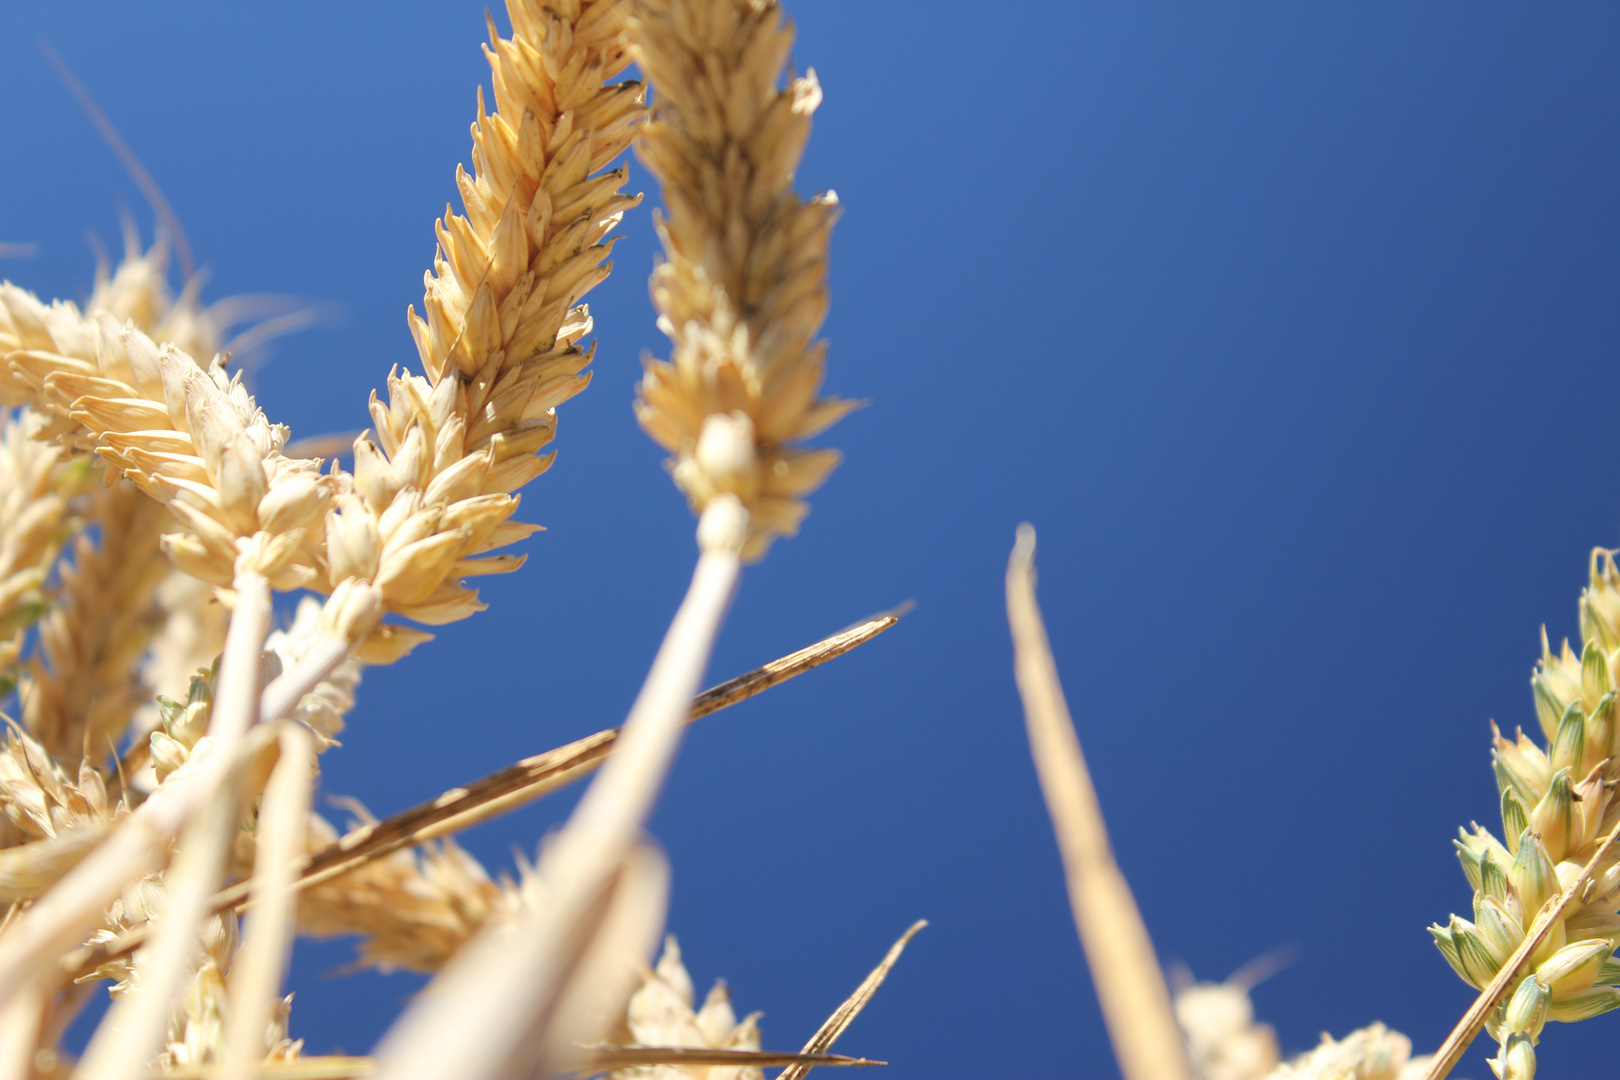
point(261, 963)
point(60, 918)
point(1130, 987)
point(489, 999)
point(134, 1028)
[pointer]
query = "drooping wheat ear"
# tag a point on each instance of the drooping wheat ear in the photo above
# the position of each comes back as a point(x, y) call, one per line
point(36, 483)
point(1558, 815)
point(81, 690)
point(499, 335)
point(742, 290)
point(195, 440)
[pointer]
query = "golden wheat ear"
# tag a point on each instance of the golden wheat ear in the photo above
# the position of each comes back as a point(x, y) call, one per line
point(742, 289)
point(1130, 986)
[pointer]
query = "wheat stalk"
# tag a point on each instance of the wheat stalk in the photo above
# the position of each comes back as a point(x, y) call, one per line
point(1132, 991)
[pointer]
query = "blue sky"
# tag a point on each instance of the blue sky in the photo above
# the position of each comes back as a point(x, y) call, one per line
point(1291, 327)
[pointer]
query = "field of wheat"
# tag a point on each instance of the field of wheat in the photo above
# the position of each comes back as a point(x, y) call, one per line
point(1288, 330)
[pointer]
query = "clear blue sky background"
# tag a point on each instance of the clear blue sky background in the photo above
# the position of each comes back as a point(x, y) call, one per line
point(1291, 327)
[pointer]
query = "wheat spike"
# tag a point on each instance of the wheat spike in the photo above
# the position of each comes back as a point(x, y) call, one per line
point(414, 909)
point(500, 330)
point(1372, 1053)
point(742, 290)
point(660, 1014)
point(1544, 930)
point(36, 484)
point(82, 691)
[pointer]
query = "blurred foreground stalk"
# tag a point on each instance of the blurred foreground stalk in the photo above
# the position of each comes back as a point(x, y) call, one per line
point(1130, 988)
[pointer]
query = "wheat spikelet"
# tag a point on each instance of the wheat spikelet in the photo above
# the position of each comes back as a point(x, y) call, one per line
point(137, 291)
point(742, 291)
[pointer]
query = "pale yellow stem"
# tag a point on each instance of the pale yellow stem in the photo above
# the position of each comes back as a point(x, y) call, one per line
point(261, 964)
point(134, 1027)
point(19, 1032)
point(489, 1012)
point(61, 918)
point(1130, 986)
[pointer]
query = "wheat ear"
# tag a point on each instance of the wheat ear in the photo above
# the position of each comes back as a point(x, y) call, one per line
point(1130, 987)
point(1545, 927)
point(742, 290)
point(36, 483)
point(82, 691)
point(500, 330)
